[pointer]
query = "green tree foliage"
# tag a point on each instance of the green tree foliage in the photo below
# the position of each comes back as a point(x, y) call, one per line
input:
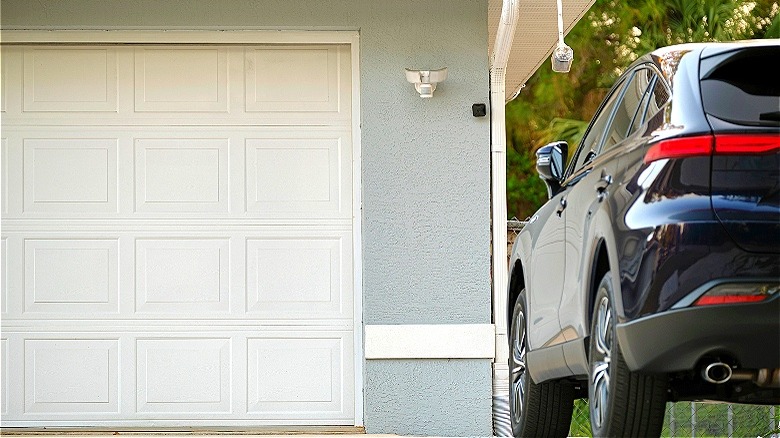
point(613, 34)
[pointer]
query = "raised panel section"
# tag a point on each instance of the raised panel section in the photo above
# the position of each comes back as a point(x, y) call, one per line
point(71, 376)
point(3, 75)
point(182, 276)
point(298, 277)
point(292, 378)
point(296, 175)
point(4, 381)
point(4, 275)
point(181, 175)
point(183, 375)
point(4, 176)
point(300, 79)
point(181, 79)
point(71, 276)
point(70, 175)
point(70, 79)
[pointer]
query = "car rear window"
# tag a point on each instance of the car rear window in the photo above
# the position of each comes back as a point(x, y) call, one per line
point(742, 86)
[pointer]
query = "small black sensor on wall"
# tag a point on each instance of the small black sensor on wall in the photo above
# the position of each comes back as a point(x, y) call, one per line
point(479, 110)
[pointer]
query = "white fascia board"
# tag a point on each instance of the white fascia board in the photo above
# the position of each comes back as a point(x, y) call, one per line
point(430, 341)
point(143, 36)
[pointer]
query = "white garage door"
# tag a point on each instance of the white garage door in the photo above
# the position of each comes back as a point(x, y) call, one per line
point(177, 243)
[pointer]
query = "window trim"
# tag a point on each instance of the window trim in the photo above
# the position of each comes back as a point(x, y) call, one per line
point(641, 109)
point(571, 172)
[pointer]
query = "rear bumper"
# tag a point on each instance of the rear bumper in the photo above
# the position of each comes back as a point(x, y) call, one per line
point(677, 339)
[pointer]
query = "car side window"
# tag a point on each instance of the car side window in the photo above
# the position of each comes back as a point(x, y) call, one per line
point(659, 97)
point(632, 99)
point(641, 110)
point(591, 142)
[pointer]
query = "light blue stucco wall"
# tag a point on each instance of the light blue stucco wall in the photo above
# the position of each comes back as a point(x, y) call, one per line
point(425, 181)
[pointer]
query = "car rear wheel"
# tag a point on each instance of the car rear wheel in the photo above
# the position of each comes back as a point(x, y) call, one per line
point(622, 403)
point(544, 409)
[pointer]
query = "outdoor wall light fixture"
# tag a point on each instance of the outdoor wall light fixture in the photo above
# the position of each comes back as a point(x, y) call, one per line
point(425, 80)
point(562, 55)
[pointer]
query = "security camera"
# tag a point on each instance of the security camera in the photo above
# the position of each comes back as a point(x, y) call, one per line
point(562, 58)
point(425, 80)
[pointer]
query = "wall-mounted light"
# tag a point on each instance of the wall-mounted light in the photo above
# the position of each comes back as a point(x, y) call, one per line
point(425, 80)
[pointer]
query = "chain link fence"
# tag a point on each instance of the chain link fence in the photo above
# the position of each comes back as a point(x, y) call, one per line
point(687, 419)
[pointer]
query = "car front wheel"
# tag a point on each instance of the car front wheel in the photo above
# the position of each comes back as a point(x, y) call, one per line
point(536, 410)
point(622, 403)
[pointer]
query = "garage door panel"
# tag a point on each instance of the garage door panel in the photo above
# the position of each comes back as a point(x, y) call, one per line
point(302, 276)
point(70, 175)
point(181, 175)
point(182, 276)
point(290, 377)
point(4, 176)
point(287, 376)
point(12, 71)
point(298, 176)
point(299, 277)
point(184, 375)
point(77, 276)
point(67, 375)
point(178, 85)
point(3, 74)
point(72, 79)
point(181, 79)
point(277, 173)
point(4, 381)
point(4, 275)
point(294, 79)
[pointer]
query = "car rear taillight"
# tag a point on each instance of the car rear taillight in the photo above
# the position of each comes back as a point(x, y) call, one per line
point(733, 293)
point(680, 147)
point(746, 144)
point(702, 145)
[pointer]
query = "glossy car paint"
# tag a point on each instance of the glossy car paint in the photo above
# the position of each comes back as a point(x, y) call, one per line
point(652, 225)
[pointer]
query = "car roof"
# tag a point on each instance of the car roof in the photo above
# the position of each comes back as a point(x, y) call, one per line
point(667, 58)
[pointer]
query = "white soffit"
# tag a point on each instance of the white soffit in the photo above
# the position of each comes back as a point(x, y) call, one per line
point(535, 36)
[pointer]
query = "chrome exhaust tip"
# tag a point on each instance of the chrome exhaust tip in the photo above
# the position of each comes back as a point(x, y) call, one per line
point(717, 373)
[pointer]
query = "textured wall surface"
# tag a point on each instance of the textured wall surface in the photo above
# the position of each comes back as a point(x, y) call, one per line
point(448, 397)
point(426, 170)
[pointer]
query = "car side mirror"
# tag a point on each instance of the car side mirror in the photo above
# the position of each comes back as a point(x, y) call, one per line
point(550, 161)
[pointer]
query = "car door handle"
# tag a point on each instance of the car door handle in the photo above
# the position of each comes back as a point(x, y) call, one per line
point(603, 182)
point(561, 207)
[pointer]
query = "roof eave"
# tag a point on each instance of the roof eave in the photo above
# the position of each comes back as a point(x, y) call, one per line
point(535, 35)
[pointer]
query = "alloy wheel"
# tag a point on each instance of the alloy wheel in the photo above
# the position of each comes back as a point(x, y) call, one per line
point(518, 368)
point(600, 368)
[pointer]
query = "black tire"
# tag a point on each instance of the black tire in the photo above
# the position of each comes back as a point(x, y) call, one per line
point(621, 403)
point(535, 410)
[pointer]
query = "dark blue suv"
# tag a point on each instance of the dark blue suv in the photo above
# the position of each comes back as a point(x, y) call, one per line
point(653, 272)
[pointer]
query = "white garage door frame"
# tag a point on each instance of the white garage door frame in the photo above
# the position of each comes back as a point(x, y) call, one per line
point(249, 37)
